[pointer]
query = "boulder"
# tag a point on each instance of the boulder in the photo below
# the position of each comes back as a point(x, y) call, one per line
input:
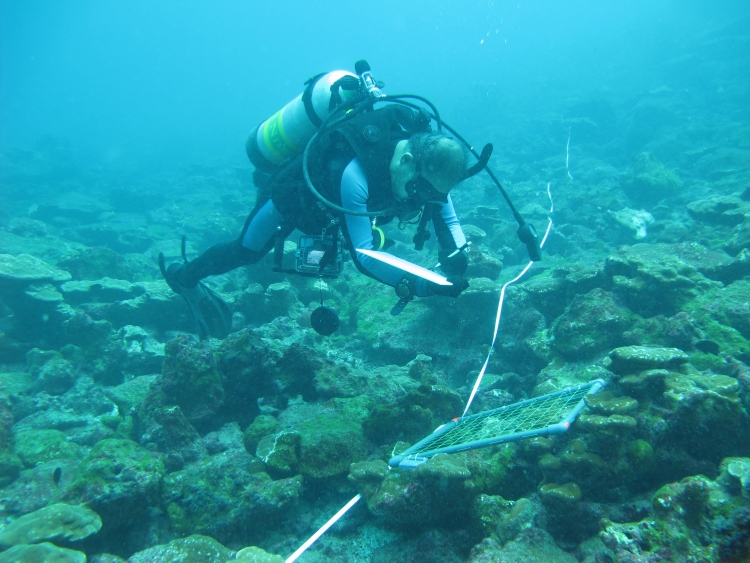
point(194, 549)
point(55, 522)
point(635, 359)
point(229, 497)
point(41, 553)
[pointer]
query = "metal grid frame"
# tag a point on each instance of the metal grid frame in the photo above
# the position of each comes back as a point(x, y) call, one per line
point(540, 416)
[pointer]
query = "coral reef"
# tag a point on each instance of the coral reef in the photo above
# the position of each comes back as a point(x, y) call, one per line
point(124, 437)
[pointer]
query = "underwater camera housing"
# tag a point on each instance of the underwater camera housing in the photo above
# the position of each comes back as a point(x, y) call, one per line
point(314, 256)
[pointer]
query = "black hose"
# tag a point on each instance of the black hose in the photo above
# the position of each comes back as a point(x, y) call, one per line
point(520, 220)
point(398, 99)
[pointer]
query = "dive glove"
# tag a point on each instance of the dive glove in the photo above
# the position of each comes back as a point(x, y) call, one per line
point(453, 262)
point(460, 283)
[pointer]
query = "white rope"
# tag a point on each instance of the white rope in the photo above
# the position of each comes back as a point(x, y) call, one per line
point(323, 529)
point(567, 156)
point(500, 307)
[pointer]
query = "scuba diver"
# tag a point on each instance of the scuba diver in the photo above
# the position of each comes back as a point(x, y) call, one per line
point(361, 168)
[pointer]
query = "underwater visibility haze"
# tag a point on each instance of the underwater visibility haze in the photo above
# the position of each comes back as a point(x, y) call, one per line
point(221, 322)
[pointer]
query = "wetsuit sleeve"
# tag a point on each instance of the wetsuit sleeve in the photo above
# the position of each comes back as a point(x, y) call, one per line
point(447, 228)
point(354, 194)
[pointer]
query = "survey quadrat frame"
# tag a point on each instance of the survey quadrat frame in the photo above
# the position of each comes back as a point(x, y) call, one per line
point(541, 416)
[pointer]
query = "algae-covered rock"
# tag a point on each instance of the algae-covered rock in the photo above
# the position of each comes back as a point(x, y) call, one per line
point(41, 553)
point(578, 457)
point(444, 467)
point(652, 181)
point(192, 549)
point(375, 470)
point(228, 497)
point(56, 522)
point(414, 415)
point(132, 393)
point(103, 290)
point(719, 210)
point(488, 511)
point(689, 499)
point(263, 425)
point(661, 278)
point(10, 464)
point(606, 403)
point(482, 264)
point(119, 480)
point(405, 500)
point(641, 454)
point(36, 487)
point(25, 268)
point(549, 462)
point(567, 493)
point(735, 475)
point(634, 359)
point(280, 452)
point(648, 383)
point(190, 379)
point(547, 294)
point(590, 325)
point(531, 544)
point(36, 446)
point(331, 436)
point(254, 554)
point(611, 425)
point(52, 373)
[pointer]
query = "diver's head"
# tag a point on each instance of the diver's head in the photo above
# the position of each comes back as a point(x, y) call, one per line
point(426, 167)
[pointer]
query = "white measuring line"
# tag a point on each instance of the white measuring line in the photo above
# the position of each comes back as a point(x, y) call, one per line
point(323, 529)
point(500, 306)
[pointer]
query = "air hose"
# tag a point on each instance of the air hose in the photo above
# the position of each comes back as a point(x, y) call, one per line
point(526, 232)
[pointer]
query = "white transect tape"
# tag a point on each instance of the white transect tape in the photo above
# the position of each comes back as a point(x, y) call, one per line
point(323, 530)
point(500, 308)
point(406, 266)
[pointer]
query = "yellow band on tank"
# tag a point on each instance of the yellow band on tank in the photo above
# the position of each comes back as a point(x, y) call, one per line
point(275, 139)
point(382, 236)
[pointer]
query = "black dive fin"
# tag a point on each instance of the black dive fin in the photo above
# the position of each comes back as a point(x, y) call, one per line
point(211, 315)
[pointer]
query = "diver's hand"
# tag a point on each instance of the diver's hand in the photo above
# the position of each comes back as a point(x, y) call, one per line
point(453, 262)
point(459, 284)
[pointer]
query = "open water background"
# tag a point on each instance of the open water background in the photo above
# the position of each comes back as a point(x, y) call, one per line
point(160, 84)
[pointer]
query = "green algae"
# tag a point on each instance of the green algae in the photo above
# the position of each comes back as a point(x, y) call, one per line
point(280, 452)
point(55, 522)
point(444, 467)
point(254, 554)
point(263, 425)
point(641, 454)
point(39, 446)
point(568, 493)
point(375, 470)
point(606, 403)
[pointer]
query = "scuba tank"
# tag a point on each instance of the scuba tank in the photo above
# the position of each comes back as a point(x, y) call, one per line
point(286, 133)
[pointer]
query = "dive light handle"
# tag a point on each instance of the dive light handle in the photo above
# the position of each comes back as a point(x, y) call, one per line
point(527, 234)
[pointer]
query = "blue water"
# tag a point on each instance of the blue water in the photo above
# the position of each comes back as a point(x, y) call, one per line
point(123, 127)
point(171, 82)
